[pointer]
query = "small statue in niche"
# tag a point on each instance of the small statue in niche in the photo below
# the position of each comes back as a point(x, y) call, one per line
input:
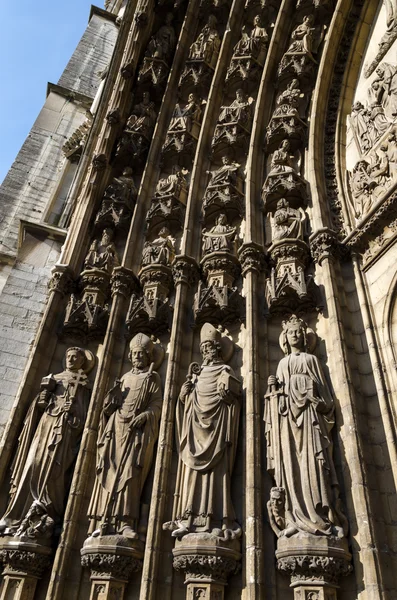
point(298, 418)
point(159, 251)
point(287, 222)
point(220, 237)
point(47, 448)
point(207, 42)
point(122, 188)
point(143, 117)
point(172, 184)
point(362, 185)
point(282, 160)
point(240, 110)
point(290, 97)
point(302, 38)
point(251, 44)
point(207, 430)
point(227, 174)
point(376, 112)
point(163, 43)
point(183, 117)
point(128, 432)
point(103, 254)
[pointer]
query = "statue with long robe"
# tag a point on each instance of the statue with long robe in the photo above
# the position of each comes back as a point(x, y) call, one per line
point(207, 42)
point(287, 222)
point(227, 174)
point(102, 253)
point(220, 237)
point(47, 448)
point(128, 432)
point(207, 423)
point(299, 416)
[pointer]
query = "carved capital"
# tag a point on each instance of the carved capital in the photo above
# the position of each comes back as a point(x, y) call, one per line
point(24, 562)
point(251, 258)
point(185, 270)
point(61, 280)
point(324, 244)
point(313, 560)
point(123, 282)
point(200, 567)
point(111, 565)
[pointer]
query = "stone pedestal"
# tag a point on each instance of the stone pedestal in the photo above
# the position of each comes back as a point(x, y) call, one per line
point(112, 559)
point(24, 564)
point(207, 561)
point(314, 564)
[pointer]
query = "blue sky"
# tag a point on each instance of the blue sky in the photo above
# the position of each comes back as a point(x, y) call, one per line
point(36, 42)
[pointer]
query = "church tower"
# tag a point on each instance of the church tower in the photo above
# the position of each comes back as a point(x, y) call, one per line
point(198, 313)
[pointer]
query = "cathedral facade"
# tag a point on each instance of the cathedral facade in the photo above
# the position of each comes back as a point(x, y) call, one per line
point(198, 303)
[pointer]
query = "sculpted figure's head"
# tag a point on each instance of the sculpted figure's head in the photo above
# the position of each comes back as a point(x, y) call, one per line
point(212, 21)
point(285, 145)
point(169, 17)
point(357, 106)
point(308, 20)
point(141, 348)
point(222, 219)
point(277, 500)
point(107, 236)
point(282, 203)
point(296, 336)
point(225, 159)
point(210, 344)
point(127, 172)
point(240, 95)
point(75, 358)
point(257, 21)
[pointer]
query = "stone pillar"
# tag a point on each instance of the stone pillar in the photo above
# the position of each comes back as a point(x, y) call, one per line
point(314, 564)
point(112, 560)
point(24, 564)
point(207, 561)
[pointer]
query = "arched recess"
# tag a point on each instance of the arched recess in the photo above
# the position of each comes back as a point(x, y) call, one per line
point(331, 103)
point(389, 341)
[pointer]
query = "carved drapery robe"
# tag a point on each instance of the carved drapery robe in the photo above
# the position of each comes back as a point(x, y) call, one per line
point(124, 454)
point(298, 422)
point(48, 445)
point(207, 429)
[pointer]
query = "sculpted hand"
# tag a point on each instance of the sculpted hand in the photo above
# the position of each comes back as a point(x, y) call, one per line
point(186, 388)
point(139, 421)
point(272, 380)
point(44, 398)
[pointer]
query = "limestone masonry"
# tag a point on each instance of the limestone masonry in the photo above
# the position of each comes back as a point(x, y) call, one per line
point(198, 309)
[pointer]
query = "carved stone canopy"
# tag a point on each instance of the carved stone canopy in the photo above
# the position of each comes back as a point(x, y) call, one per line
point(218, 304)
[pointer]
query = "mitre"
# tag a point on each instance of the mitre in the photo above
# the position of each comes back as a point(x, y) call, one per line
point(140, 340)
point(209, 334)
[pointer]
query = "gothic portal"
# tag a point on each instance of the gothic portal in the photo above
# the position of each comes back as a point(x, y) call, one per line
point(198, 314)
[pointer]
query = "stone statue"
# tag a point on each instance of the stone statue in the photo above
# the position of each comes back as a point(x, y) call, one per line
point(220, 237)
point(143, 117)
point(163, 43)
point(172, 184)
point(122, 188)
point(302, 37)
point(251, 44)
point(386, 82)
point(128, 432)
point(183, 117)
point(47, 448)
point(226, 174)
point(298, 418)
point(159, 251)
point(281, 161)
point(240, 110)
point(207, 42)
point(207, 430)
point(361, 185)
point(363, 127)
point(290, 96)
point(102, 253)
point(287, 222)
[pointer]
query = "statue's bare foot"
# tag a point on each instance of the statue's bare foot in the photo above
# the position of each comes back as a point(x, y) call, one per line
point(129, 533)
point(96, 533)
point(180, 532)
